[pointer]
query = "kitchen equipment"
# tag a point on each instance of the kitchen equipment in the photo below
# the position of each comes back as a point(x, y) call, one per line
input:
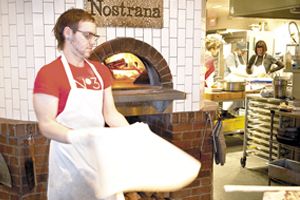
point(5, 177)
point(280, 87)
point(285, 170)
point(292, 57)
point(30, 165)
point(289, 136)
point(234, 86)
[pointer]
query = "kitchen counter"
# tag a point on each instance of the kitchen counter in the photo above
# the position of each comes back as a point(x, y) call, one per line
point(226, 96)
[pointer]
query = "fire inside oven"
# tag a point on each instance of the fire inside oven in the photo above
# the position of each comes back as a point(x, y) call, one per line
point(130, 71)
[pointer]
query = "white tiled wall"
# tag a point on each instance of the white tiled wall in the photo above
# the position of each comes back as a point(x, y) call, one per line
point(27, 43)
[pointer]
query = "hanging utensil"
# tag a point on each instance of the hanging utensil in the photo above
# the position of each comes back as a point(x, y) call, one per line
point(5, 177)
point(219, 144)
point(30, 162)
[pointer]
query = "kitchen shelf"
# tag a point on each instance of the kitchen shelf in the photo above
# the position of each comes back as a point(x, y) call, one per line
point(257, 127)
point(257, 133)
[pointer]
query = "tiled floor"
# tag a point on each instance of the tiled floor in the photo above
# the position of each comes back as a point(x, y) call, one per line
point(231, 173)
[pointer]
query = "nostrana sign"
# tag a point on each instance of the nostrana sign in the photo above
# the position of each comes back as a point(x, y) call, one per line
point(128, 13)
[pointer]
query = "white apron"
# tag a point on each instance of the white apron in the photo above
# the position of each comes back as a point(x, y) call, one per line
point(101, 162)
point(83, 109)
point(260, 70)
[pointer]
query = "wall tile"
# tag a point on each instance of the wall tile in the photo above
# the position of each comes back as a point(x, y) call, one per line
point(196, 93)
point(181, 4)
point(157, 44)
point(4, 7)
point(5, 26)
point(173, 28)
point(23, 89)
point(189, 47)
point(30, 39)
point(24, 110)
point(21, 46)
point(197, 23)
point(2, 113)
point(38, 25)
point(173, 9)
point(14, 56)
point(29, 57)
point(196, 56)
point(22, 67)
point(50, 54)
point(173, 47)
point(20, 7)
point(129, 32)
point(189, 28)
point(15, 78)
point(181, 56)
point(28, 12)
point(39, 46)
point(196, 75)
point(30, 96)
point(188, 102)
point(165, 37)
point(5, 45)
point(38, 63)
point(166, 4)
point(2, 98)
point(31, 76)
point(8, 108)
point(7, 87)
point(173, 66)
point(48, 13)
point(111, 33)
point(37, 6)
point(181, 38)
point(69, 6)
point(29, 35)
point(12, 13)
point(20, 24)
point(165, 53)
point(1, 77)
point(13, 35)
point(120, 31)
point(190, 8)
point(189, 66)
point(182, 19)
point(166, 18)
point(139, 32)
point(32, 116)
point(148, 36)
point(59, 6)
point(156, 32)
point(6, 67)
point(188, 82)
point(50, 38)
point(16, 114)
point(16, 99)
point(180, 75)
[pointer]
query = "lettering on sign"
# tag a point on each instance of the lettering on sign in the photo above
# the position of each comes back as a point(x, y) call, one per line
point(128, 13)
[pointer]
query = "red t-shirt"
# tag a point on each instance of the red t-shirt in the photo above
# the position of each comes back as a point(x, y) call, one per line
point(52, 79)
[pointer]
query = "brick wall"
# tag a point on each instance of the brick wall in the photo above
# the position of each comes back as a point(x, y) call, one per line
point(182, 129)
point(14, 147)
point(185, 130)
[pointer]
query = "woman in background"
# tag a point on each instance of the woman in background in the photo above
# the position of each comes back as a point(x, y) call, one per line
point(261, 63)
point(211, 61)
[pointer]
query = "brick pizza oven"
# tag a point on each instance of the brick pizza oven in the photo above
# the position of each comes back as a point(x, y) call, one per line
point(149, 102)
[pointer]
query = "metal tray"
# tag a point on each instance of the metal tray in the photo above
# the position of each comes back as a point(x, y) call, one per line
point(285, 170)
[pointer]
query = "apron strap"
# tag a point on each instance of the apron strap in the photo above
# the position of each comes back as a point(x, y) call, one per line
point(70, 76)
point(68, 71)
